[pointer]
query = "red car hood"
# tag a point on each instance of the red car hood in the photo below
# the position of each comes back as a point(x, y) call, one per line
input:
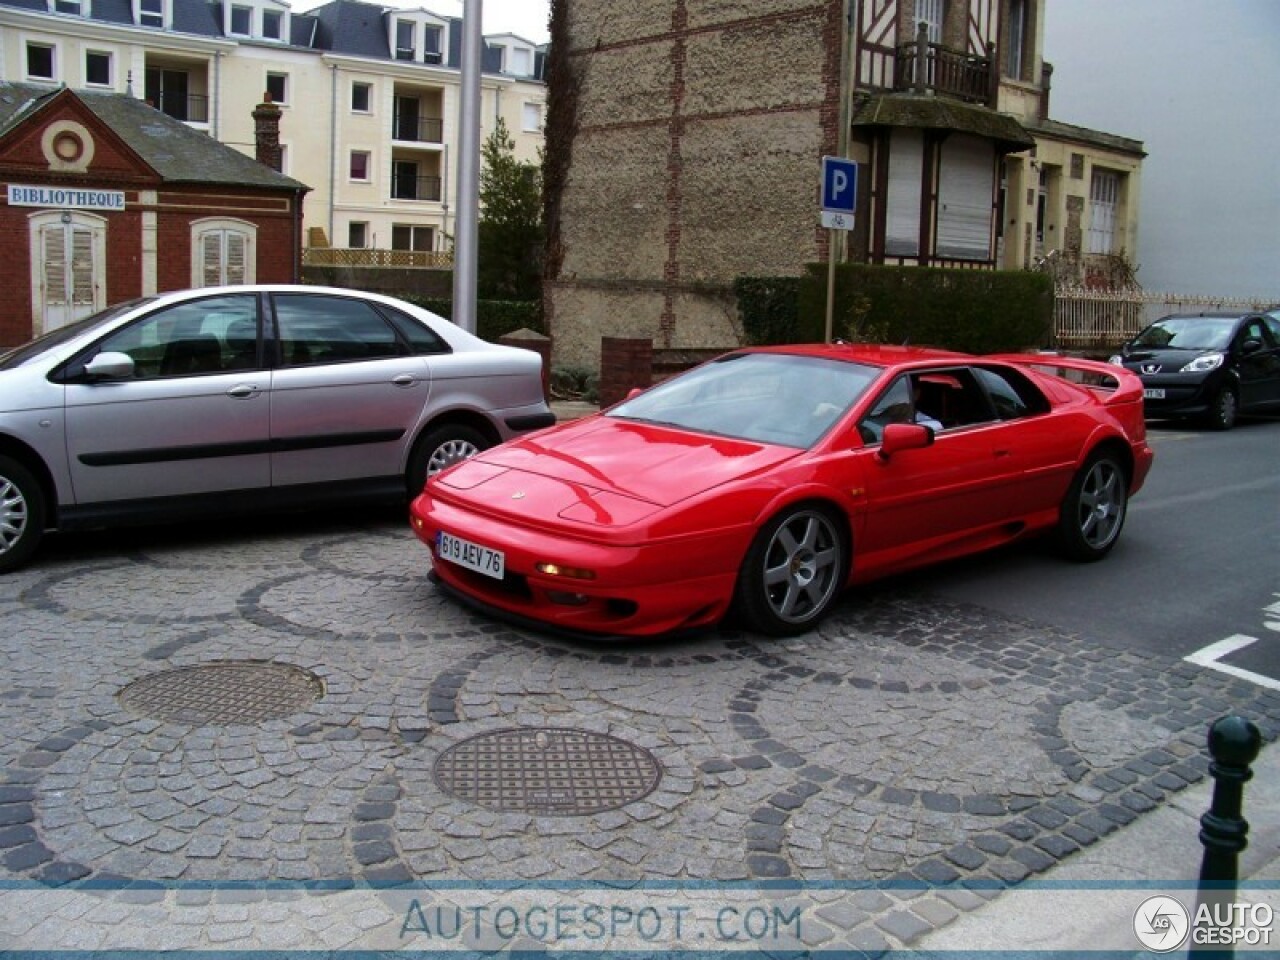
point(603, 471)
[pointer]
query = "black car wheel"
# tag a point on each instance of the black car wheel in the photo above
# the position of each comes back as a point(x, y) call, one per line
point(439, 448)
point(1223, 409)
point(792, 573)
point(21, 514)
point(1094, 509)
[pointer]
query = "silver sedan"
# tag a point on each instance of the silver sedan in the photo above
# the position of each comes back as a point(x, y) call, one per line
point(249, 397)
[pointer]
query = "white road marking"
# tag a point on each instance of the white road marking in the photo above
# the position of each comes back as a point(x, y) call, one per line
point(1210, 655)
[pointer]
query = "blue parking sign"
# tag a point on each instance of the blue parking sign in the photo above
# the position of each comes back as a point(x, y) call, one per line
point(839, 192)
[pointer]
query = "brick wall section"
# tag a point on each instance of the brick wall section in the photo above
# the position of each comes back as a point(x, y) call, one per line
point(700, 125)
point(624, 365)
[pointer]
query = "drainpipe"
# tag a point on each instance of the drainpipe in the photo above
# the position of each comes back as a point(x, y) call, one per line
point(444, 194)
point(216, 99)
point(333, 146)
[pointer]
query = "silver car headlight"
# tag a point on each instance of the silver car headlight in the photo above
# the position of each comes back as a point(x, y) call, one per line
point(1205, 363)
point(1116, 359)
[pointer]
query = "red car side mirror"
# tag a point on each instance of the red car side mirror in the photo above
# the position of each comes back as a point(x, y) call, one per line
point(904, 436)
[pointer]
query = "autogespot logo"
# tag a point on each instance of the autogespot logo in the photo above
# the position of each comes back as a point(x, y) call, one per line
point(1161, 924)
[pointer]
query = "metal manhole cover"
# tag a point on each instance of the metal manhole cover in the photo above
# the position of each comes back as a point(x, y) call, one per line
point(219, 694)
point(550, 771)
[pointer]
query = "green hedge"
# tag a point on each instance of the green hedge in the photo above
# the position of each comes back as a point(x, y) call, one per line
point(975, 311)
point(494, 318)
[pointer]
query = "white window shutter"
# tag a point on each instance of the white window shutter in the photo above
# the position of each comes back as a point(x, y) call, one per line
point(54, 242)
point(237, 251)
point(902, 215)
point(82, 267)
point(965, 183)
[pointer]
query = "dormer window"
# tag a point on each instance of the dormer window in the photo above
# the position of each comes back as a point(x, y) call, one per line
point(151, 13)
point(417, 37)
point(432, 45)
point(77, 8)
point(405, 39)
point(272, 25)
point(241, 21)
point(515, 55)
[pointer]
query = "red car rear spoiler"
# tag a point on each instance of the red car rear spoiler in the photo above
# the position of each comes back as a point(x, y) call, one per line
point(1090, 373)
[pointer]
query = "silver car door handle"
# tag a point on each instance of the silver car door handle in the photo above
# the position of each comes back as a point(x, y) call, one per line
point(404, 380)
point(243, 390)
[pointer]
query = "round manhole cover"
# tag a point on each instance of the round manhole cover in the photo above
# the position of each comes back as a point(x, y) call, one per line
point(548, 771)
point(220, 694)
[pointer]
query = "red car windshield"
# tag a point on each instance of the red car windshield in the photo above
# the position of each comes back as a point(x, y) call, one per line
point(762, 397)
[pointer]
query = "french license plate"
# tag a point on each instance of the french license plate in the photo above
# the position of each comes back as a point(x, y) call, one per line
point(1152, 393)
point(491, 563)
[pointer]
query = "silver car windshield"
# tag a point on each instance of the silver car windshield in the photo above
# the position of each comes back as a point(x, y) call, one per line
point(1187, 333)
point(763, 397)
point(17, 356)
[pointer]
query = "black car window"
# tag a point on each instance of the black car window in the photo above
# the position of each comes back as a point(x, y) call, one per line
point(421, 338)
point(212, 335)
point(315, 328)
point(1253, 330)
point(1273, 327)
point(1011, 394)
point(942, 399)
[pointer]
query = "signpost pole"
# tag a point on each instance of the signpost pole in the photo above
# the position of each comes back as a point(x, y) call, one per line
point(831, 283)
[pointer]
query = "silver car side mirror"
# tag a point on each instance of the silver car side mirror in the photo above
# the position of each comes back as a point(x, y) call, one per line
point(110, 366)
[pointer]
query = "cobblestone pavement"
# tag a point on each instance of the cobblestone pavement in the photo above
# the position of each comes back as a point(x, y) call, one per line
point(909, 739)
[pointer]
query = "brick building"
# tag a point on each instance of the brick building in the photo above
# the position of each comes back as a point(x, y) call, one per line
point(105, 199)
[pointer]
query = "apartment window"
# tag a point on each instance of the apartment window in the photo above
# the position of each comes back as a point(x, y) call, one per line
point(964, 198)
point(40, 61)
point(357, 235)
point(359, 169)
point(278, 87)
point(408, 236)
point(906, 170)
point(1104, 200)
point(242, 21)
point(97, 68)
point(151, 13)
point(404, 39)
point(1042, 204)
point(1017, 38)
point(272, 24)
point(431, 49)
point(532, 117)
point(521, 63)
point(361, 97)
point(68, 6)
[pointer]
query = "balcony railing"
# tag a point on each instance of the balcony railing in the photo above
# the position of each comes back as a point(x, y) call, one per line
point(187, 107)
point(417, 130)
point(415, 188)
point(921, 66)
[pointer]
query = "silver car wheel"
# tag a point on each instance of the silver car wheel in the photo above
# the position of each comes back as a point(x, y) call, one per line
point(449, 453)
point(802, 567)
point(13, 514)
point(1102, 502)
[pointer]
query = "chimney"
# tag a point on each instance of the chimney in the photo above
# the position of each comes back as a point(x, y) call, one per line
point(266, 132)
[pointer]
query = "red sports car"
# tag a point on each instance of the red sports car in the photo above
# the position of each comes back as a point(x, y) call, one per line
point(765, 481)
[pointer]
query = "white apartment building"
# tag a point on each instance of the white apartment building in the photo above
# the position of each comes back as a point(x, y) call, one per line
point(369, 94)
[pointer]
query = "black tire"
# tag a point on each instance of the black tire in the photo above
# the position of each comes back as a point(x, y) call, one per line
point(1223, 409)
point(1094, 509)
point(793, 572)
point(21, 514)
point(439, 448)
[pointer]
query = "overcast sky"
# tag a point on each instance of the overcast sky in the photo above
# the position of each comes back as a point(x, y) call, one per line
point(1197, 81)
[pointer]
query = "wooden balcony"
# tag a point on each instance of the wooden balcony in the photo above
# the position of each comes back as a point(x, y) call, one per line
point(922, 67)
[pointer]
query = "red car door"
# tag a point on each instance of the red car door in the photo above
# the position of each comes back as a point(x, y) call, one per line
point(939, 499)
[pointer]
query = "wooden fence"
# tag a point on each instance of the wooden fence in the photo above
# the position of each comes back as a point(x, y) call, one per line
point(1086, 318)
point(346, 257)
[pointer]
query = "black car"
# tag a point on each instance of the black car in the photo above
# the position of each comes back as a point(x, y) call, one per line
point(1211, 366)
